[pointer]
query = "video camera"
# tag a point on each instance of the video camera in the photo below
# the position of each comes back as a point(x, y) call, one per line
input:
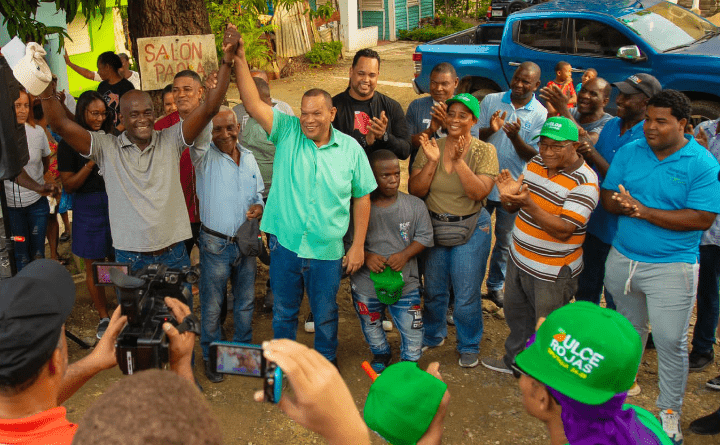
point(142, 344)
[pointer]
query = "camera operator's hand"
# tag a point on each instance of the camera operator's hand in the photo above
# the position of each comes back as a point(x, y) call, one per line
point(322, 401)
point(433, 435)
point(181, 345)
point(104, 351)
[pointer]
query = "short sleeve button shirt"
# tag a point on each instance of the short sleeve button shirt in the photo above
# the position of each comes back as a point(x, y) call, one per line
point(687, 179)
point(308, 207)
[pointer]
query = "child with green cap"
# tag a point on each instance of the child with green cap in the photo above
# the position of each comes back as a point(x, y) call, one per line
point(576, 381)
point(398, 230)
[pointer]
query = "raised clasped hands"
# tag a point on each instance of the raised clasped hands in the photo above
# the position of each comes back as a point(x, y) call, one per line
point(430, 148)
point(513, 193)
point(231, 40)
point(457, 149)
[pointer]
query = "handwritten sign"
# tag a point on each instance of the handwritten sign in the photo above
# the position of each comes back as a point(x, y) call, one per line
point(161, 58)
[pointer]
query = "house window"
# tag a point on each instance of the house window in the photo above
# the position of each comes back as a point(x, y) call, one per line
point(79, 41)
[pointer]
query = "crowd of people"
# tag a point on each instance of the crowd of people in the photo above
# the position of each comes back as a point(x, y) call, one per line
point(587, 207)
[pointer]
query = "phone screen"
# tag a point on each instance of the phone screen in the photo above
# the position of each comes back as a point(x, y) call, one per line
point(101, 272)
point(239, 360)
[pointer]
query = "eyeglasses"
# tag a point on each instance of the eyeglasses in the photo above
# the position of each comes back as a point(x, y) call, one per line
point(554, 148)
point(102, 114)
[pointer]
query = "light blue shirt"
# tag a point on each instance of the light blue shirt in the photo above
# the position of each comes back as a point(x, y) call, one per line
point(225, 189)
point(532, 117)
point(712, 235)
point(603, 224)
point(687, 179)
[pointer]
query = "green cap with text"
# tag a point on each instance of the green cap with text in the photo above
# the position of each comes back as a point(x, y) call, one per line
point(469, 101)
point(585, 352)
point(560, 128)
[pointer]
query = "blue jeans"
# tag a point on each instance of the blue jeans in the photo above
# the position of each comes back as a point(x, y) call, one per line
point(289, 276)
point(175, 258)
point(504, 224)
point(406, 314)
point(216, 267)
point(590, 280)
point(464, 267)
point(31, 223)
point(707, 300)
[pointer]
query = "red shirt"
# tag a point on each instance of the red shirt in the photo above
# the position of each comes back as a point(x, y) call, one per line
point(46, 428)
point(187, 171)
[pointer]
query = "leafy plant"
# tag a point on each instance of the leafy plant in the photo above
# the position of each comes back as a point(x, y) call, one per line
point(439, 27)
point(323, 12)
point(324, 53)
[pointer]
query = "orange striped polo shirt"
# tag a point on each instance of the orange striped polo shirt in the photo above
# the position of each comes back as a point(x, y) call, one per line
point(571, 194)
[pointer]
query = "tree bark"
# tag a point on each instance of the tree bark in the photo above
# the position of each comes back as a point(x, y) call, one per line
point(153, 18)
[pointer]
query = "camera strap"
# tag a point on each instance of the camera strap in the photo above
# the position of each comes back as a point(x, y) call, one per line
point(190, 323)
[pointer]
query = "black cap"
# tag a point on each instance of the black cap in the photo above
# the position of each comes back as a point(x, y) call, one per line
point(639, 83)
point(247, 237)
point(34, 304)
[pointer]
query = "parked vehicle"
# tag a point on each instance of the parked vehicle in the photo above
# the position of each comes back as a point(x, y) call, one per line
point(500, 9)
point(617, 38)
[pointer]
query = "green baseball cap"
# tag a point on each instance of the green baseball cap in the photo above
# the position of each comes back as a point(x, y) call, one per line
point(388, 285)
point(469, 101)
point(402, 403)
point(585, 352)
point(559, 128)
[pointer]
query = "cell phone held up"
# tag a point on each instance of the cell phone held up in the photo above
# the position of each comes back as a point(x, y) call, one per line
point(247, 360)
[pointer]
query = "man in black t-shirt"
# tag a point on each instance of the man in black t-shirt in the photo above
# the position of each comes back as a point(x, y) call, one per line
point(373, 119)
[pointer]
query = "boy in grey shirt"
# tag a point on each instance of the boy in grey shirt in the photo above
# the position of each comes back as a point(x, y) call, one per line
point(398, 230)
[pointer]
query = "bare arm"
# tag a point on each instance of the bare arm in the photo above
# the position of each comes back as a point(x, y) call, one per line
point(75, 135)
point(476, 187)
point(24, 180)
point(421, 178)
point(249, 95)
point(86, 73)
point(355, 256)
point(200, 117)
point(592, 157)
point(73, 181)
point(397, 260)
point(101, 358)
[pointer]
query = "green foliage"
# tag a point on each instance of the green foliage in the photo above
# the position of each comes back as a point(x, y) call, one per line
point(324, 53)
point(18, 17)
point(323, 12)
point(431, 31)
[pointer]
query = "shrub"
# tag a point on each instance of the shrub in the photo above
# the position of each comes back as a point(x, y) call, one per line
point(324, 53)
point(441, 27)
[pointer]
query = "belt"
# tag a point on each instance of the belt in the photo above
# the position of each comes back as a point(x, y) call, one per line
point(159, 251)
point(230, 239)
point(448, 217)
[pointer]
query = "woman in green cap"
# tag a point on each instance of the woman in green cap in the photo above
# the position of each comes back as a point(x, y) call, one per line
point(454, 175)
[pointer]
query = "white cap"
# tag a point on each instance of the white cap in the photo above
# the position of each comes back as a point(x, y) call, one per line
point(32, 71)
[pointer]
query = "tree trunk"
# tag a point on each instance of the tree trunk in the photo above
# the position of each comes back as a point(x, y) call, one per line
point(152, 18)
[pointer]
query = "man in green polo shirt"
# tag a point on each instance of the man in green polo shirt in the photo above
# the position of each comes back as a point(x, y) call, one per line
point(317, 170)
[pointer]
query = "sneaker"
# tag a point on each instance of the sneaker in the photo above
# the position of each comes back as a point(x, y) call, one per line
point(708, 425)
point(380, 362)
point(64, 237)
point(496, 364)
point(670, 421)
point(449, 316)
point(269, 299)
point(386, 324)
point(102, 327)
point(714, 383)
point(496, 296)
point(468, 360)
point(698, 361)
point(426, 347)
point(214, 377)
point(634, 390)
point(310, 323)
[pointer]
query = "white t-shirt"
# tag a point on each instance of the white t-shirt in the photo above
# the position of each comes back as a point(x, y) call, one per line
point(134, 79)
point(38, 148)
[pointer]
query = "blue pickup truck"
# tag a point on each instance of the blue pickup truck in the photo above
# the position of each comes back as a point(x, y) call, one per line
point(617, 37)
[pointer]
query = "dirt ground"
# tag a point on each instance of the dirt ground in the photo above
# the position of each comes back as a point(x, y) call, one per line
point(485, 407)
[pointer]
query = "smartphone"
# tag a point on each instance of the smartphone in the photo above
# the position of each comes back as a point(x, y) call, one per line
point(101, 272)
point(247, 360)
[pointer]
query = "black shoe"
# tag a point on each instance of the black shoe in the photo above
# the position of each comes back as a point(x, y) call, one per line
point(708, 425)
point(698, 361)
point(380, 362)
point(496, 296)
point(214, 377)
point(714, 383)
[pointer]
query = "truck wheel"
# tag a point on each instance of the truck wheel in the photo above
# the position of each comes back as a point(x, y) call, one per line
point(516, 6)
point(703, 110)
point(482, 92)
